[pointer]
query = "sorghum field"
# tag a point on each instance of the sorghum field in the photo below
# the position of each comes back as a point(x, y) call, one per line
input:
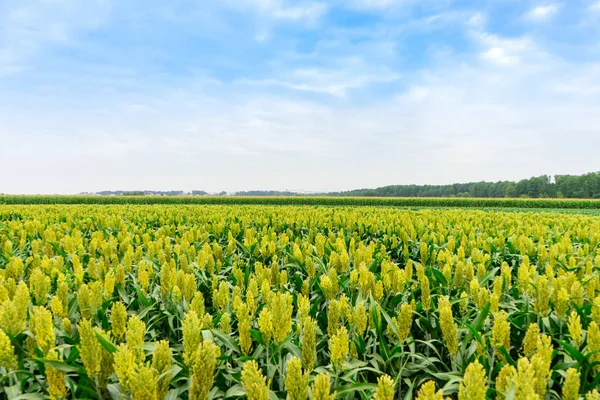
point(298, 302)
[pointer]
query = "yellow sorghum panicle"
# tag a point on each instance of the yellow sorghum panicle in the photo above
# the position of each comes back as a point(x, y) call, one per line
point(136, 329)
point(143, 383)
point(205, 363)
point(321, 387)
point(575, 327)
point(221, 296)
point(494, 302)
point(85, 301)
point(303, 307)
point(57, 307)
point(109, 284)
point(296, 383)
point(192, 336)
point(447, 325)
point(90, 349)
point(474, 384)
point(596, 310)
point(524, 276)
point(593, 395)
point(55, 379)
point(14, 268)
point(8, 359)
point(501, 331)
point(359, 317)
point(143, 277)
point(40, 324)
point(308, 343)
point(404, 320)
point(67, 327)
point(176, 295)
point(474, 290)
point(562, 303)
point(244, 326)
point(118, 319)
point(78, 271)
point(577, 291)
point(197, 304)
point(593, 342)
point(328, 286)
point(225, 323)
point(335, 314)
point(464, 302)
point(162, 362)
point(425, 293)
point(378, 291)
point(39, 285)
point(124, 365)
point(483, 297)
point(385, 388)
point(542, 295)
point(282, 309)
point(338, 347)
point(530, 341)
point(22, 300)
point(427, 392)
point(254, 382)
point(167, 278)
point(310, 268)
point(305, 290)
point(120, 276)
point(525, 381)
point(506, 377)
point(570, 388)
point(265, 324)
point(541, 362)
point(353, 350)
point(13, 313)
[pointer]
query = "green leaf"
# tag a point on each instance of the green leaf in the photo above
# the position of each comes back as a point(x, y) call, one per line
point(572, 351)
point(106, 343)
point(478, 323)
point(356, 387)
point(61, 366)
point(235, 391)
point(226, 340)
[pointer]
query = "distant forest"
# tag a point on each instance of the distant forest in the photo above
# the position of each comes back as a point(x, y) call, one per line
point(585, 186)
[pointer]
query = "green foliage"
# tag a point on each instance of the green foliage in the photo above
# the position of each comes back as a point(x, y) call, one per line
point(488, 203)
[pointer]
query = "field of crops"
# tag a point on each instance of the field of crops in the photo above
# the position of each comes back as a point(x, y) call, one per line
point(268, 302)
point(575, 204)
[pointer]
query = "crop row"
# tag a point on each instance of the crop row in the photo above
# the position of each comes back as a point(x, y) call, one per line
point(311, 201)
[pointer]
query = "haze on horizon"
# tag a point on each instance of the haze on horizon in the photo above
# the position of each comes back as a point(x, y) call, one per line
point(299, 95)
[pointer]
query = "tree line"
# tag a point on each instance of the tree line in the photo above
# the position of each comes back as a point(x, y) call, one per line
point(585, 186)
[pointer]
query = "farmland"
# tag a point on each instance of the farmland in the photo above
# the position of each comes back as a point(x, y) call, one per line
point(297, 300)
point(488, 203)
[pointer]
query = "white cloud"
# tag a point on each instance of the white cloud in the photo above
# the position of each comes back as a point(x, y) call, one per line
point(282, 10)
point(353, 73)
point(595, 6)
point(377, 4)
point(503, 51)
point(477, 19)
point(309, 12)
point(542, 13)
point(498, 55)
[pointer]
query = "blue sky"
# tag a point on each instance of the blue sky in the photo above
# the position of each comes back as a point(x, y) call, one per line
point(298, 95)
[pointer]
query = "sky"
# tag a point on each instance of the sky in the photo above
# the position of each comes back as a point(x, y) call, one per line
point(301, 95)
